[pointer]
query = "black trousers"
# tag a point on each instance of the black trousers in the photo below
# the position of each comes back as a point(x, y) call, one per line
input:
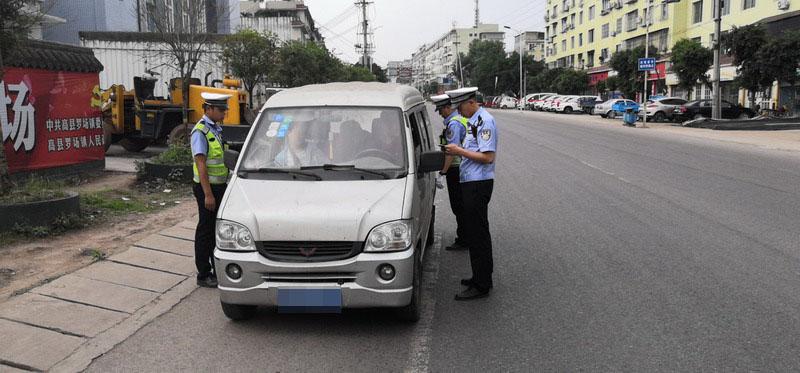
point(477, 195)
point(204, 236)
point(456, 202)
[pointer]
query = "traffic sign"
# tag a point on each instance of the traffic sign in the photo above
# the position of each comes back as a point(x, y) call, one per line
point(647, 64)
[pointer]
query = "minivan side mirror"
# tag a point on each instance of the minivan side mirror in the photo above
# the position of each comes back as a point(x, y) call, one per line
point(431, 161)
point(231, 157)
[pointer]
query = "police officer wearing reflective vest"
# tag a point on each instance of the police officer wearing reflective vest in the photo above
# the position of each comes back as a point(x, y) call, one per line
point(210, 181)
point(477, 181)
point(455, 129)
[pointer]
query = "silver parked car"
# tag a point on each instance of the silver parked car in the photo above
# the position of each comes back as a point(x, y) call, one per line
point(331, 203)
point(662, 109)
point(605, 109)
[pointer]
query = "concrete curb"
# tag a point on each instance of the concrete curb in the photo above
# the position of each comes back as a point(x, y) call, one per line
point(62, 326)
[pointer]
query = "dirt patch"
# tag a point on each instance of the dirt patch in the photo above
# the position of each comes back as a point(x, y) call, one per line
point(26, 264)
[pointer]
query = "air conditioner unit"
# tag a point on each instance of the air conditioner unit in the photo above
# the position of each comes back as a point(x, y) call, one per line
point(604, 12)
point(783, 4)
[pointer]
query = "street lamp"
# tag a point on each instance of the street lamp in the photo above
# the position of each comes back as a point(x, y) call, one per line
point(521, 92)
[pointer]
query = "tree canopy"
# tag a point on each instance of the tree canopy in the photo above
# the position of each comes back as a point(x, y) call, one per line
point(250, 56)
point(626, 64)
point(690, 62)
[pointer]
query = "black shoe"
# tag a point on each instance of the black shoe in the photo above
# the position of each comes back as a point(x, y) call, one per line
point(468, 282)
point(207, 282)
point(472, 293)
point(456, 247)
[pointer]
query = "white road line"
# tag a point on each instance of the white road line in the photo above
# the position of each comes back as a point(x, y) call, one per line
point(598, 168)
point(421, 339)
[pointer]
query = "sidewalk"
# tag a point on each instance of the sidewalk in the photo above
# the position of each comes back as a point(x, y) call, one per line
point(63, 325)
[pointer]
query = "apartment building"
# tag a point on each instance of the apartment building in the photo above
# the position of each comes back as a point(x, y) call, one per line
point(533, 44)
point(288, 20)
point(436, 61)
point(584, 34)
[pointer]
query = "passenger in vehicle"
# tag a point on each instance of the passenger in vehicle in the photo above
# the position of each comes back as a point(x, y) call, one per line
point(298, 152)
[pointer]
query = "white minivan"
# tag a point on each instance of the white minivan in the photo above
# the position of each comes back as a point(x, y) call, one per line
point(331, 202)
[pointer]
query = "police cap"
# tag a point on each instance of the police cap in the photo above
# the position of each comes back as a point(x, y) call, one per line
point(460, 95)
point(441, 101)
point(215, 99)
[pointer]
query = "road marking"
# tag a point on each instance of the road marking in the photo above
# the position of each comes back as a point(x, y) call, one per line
point(598, 168)
point(421, 339)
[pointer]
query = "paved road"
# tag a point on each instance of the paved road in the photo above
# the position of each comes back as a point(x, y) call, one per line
point(121, 160)
point(616, 249)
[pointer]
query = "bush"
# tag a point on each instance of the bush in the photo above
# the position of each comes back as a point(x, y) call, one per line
point(176, 155)
point(33, 190)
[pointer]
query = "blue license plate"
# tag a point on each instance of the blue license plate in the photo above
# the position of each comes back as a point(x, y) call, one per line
point(309, 300)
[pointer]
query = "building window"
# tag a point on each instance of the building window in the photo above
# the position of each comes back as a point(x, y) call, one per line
point(606, 4)
point(590, 36)
point(632, 19)
point(580, 18)
point(572, 42)
point(697, 9)
point(591, 12)
point(664, 12)
point(555, 7)
point(604, 55)
point(564, 24)
point(619, 25)
point(604, 31)
point(580, 40)
point(618, 48)
point(564, 44)
point(572, 19)
point(697, 39)
point(590, 59)
point(749, 4)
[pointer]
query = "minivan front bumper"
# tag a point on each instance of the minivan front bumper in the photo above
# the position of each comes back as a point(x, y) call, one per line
point(356, 277)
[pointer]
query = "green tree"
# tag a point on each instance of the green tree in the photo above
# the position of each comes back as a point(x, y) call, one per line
point(356, 73)
point(545, 80)
point(779, 58)
point(16, 19)
point(301, 63)
point(250, 56)
point(743, 44)
point(601, 87)
point(626, 64)
point(571, 82)
point(691, 61)
point(612, 84)
point(379, 73)
point(487, 60)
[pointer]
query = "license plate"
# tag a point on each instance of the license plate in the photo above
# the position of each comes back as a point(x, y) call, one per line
point(309, 300)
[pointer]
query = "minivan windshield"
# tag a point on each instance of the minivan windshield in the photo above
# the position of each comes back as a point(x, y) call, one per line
point(324, 137)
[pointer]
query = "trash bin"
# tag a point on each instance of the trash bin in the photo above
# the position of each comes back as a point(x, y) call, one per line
point(629, 118)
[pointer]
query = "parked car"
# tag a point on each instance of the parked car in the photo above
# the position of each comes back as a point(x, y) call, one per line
point(539, 104)
point(507, 102)
point(568, 105)
point(620, 107)
point(347, 226)
point(549, 102)
point(698, 109)
point(536, 97)
point(661, 109)
point(613, 107)
point(587, 103)
point(489, 102)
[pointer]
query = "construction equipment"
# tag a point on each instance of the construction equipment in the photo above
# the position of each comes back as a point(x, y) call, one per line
point(136, 118)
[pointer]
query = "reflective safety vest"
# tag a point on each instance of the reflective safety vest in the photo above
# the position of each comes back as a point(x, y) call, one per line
point(443, 137)
point(215, 162)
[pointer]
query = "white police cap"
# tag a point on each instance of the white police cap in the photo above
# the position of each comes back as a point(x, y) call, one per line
point(441, 101)
point(215, 99)
point(458, 96)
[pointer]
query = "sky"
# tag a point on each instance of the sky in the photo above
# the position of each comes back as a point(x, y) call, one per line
point(402, 26)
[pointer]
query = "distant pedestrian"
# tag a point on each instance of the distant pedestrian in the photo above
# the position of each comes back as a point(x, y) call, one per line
point(210, 181)
point(454, 132)
point(477, 182)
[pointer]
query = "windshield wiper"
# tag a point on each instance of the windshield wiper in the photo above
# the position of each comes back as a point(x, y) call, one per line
point(348, 167)
point(267, 170)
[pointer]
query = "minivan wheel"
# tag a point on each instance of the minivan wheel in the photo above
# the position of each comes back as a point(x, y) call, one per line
point(412, 311)
point(238, 312)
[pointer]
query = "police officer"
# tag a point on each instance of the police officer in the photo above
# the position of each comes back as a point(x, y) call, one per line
point(210, 181)
point(477, 181)
point(455, 128)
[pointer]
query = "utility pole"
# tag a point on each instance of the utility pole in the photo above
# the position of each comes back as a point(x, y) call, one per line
point(716, 104)
point(366, 62)
point(460, 68)
point(477, 13)
point(646, 55)
point(519, 39)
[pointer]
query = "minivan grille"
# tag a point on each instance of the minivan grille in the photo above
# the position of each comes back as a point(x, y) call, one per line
point(308, 251)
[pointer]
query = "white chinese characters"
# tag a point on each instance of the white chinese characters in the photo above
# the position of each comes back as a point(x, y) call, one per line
point(22, 128)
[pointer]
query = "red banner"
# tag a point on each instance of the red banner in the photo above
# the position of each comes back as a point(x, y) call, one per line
point(47, 119)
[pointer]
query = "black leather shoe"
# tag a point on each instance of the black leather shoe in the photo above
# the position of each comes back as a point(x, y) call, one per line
point(207, 282)
point(472, 293)
point(456, 247)
point(468, 282)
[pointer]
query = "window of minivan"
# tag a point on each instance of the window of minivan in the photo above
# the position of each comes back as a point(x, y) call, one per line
point(315, 139)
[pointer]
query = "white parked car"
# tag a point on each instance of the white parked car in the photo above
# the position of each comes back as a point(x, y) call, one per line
point(568, 105)
point(507, 102)
point(539, 103)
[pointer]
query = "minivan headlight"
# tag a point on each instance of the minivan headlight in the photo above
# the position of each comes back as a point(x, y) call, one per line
point(391, 236)
point(234, 237)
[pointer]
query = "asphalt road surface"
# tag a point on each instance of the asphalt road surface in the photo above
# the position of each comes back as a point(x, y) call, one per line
point(616, 249)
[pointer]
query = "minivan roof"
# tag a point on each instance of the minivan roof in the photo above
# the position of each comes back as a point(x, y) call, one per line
point(348, 94)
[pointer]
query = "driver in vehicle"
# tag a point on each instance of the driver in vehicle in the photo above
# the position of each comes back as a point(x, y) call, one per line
point(298, 150)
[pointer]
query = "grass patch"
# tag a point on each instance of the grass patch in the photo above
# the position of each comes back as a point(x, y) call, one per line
point(33, 190)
